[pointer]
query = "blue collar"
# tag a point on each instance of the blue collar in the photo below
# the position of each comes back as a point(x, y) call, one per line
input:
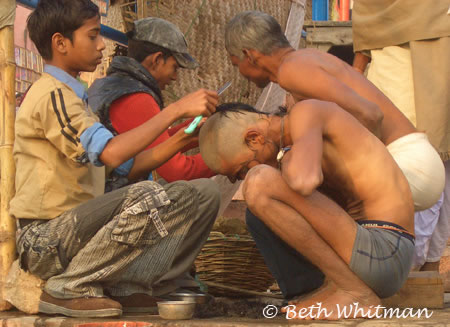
point(64, 77)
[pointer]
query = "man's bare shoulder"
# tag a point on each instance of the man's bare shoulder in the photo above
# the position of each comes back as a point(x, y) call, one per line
point(329, 115)
point(304, 56)
point(299, 67)
point(314, 107)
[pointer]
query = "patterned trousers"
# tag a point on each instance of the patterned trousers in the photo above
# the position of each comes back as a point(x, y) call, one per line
point(138, 239)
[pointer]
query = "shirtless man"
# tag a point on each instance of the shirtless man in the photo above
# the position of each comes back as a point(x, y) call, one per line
point(258, 47)
point(342, 204)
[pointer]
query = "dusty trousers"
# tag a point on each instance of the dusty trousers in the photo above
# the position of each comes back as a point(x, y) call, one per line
point(137, 239)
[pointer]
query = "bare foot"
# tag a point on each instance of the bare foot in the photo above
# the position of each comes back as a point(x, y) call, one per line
point(314, 297)
point(339, 305)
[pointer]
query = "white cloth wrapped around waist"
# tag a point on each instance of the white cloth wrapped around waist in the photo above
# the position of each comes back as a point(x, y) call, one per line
point(422, 167)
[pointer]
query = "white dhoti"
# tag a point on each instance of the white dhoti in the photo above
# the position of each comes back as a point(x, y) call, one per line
point(422, 167)
point(426, 175)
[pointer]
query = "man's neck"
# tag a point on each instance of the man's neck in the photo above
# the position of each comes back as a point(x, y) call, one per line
point(272, 63)
point(278, 131)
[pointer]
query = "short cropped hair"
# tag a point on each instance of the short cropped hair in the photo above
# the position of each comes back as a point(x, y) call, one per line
point(57, 16)
point(222, 135)
point(140, 50)
point(254, 30)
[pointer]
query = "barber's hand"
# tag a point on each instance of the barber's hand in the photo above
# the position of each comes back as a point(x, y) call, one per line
point(193, 137)
point(202, 102)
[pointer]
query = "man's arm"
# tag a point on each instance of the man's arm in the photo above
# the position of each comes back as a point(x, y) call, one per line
point(302, 165)
point(360, 62)
point(309, 80)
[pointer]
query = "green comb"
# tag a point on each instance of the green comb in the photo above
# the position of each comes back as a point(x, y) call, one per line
point(192, 126)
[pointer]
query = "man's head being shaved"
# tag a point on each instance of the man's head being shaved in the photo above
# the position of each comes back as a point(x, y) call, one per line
point(223, 142)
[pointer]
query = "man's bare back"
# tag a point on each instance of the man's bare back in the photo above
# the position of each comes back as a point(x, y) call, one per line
point(330, 79)
point(359, 174)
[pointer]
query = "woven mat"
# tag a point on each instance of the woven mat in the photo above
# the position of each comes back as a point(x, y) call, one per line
point(203, 22)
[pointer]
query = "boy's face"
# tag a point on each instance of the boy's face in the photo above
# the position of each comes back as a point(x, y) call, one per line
point(84, 53)
point(165, 71)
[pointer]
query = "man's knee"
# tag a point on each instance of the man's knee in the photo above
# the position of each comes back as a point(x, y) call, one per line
point(256, 188)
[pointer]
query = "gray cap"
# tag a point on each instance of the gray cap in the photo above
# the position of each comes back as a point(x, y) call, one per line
point(167, 35)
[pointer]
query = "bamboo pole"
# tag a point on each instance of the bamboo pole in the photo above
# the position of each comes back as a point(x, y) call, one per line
point(7, 117)
point(141, 9)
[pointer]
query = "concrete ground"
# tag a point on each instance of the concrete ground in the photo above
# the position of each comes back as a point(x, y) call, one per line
point(438, 317)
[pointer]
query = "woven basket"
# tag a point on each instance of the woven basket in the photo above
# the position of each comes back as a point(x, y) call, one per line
point(203, 22)
point(233, 261)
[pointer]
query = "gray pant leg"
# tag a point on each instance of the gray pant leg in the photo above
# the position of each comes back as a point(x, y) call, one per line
point(135, 279)
point(208, 207)
point(115, 230)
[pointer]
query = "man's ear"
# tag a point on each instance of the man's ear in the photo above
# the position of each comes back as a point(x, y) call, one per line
point(152, 60)
point(254, 139)
point(248, 55)
point(59, 43)
point(252, 55)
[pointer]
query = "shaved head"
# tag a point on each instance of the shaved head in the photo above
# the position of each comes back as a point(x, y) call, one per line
point(223, 134)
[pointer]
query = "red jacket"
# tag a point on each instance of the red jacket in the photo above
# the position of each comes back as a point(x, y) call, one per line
point(132, 110)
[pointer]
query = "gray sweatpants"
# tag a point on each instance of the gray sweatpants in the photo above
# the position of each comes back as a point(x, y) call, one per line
point(138, 239)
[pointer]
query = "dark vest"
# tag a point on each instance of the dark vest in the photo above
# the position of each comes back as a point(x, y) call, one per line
point(124, 76)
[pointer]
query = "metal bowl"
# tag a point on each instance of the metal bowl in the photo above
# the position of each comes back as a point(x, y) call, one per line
point(176, 310)
point(192, 297)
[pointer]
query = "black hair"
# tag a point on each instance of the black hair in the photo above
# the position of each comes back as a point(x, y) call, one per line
point(239, 107)
point(58, 16)
point(140, 50)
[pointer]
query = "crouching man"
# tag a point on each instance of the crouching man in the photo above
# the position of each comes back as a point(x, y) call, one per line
point(338, 199)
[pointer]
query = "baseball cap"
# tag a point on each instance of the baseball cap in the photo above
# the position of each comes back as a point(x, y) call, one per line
point(167, 35)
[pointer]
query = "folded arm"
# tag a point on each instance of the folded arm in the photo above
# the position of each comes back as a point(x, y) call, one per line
point(302, 165)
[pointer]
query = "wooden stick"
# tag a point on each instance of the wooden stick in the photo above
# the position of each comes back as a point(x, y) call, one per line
point(7, 117)
point(242, 291)
point(141, 9)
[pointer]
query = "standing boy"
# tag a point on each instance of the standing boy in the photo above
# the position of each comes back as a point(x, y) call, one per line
point(86, 245)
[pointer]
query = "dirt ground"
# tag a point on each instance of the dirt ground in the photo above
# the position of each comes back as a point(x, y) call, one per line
point(222, 313)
